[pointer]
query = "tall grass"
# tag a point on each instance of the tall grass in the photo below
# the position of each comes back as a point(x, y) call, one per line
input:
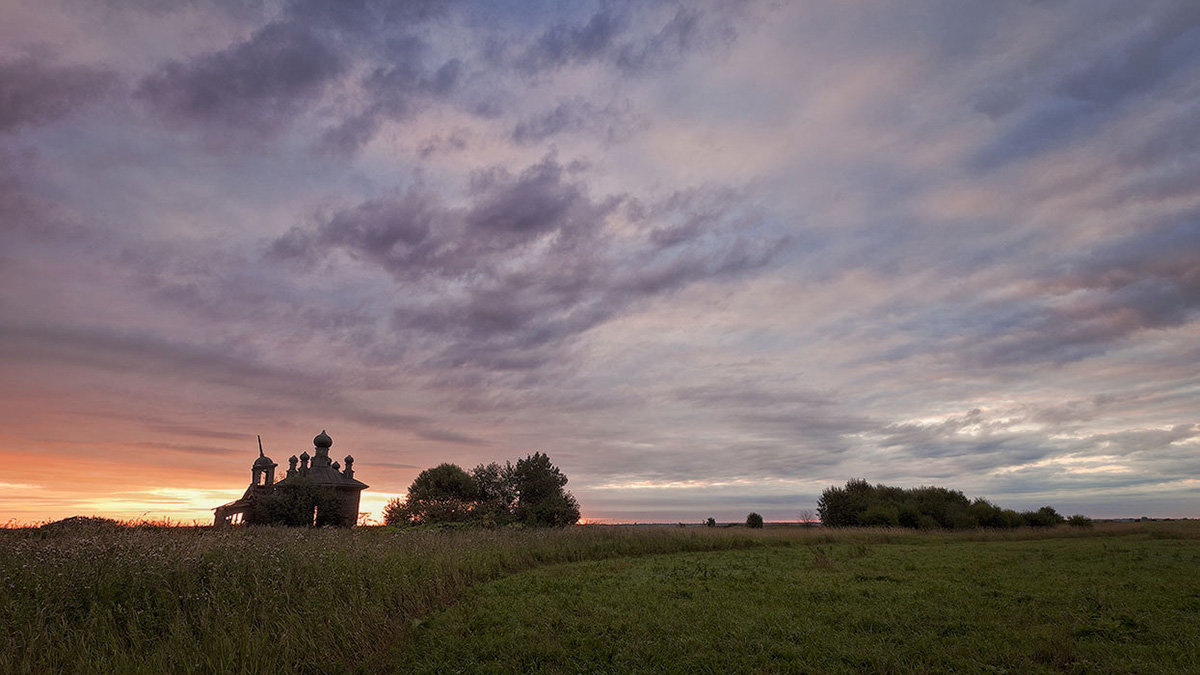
point(100, 597)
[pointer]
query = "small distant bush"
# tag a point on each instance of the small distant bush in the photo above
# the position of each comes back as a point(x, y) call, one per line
point(754, 520)
point(711, 522)
point(1078, 520)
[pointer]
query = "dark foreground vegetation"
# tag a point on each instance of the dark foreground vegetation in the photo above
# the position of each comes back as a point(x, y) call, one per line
point(100, 597)
point(861, 504)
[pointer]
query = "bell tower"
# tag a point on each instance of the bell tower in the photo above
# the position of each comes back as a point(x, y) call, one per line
point(262, 473)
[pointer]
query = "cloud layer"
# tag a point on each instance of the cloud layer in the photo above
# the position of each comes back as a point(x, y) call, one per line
point(711, 258)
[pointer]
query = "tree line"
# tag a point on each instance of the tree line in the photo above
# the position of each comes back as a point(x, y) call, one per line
point(531, 492)
point(861, 504)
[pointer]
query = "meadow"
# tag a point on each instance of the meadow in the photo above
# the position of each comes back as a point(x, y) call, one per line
point(105, 598)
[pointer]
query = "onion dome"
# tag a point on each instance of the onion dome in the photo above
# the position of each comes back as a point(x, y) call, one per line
point(322, 440)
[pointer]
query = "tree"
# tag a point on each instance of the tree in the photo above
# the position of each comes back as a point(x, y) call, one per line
point(442, 494)
point(530, 493)
point(806, 517)
point(840, 507)
point(711, 522)
point(754, 520)
point(444, 481)
point(880, 515)
point(541, 497)
point(496, 493)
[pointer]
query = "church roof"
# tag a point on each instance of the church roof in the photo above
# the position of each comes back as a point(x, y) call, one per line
point(325, 476)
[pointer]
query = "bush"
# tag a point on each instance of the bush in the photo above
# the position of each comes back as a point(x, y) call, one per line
point(1011, 518)
point(711, 522)
point(444, 481)
point(1078, 520)
point(443, 494)
point(298, 503)
point(1043, 517)
point(840, 507)
point(986, 514)
point(496, 493)
point(754, 520)
point(909, 516)
point(432, 511)
point(927, 522)
point(926, 508)
point(880, 515)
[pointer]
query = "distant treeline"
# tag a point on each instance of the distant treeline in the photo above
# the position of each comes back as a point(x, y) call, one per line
point(865, 505)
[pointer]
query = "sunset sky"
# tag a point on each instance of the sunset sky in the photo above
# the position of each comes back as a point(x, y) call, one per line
point(711, 257)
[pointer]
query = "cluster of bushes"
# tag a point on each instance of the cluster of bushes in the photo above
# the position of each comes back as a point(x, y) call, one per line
point(861, 504)
point(531, 492)
point(299, 503)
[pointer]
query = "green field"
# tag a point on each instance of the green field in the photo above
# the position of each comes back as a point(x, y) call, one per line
point(1120, 598)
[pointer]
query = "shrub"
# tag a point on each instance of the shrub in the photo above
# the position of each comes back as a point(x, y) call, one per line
point(496, 493)
point(926, 507)
point(986, 514)
point(1011, 518)
point(443, 494)
point(433, 511)
point(754, 520)
point(1043, 517)
point(880, 515)
point(839, 507)
point(909, 516)
point(927, 522)
point(1078, 520)
point(298, 503)
point(711, 522)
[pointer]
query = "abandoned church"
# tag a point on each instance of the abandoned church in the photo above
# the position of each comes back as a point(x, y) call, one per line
point(317, 492)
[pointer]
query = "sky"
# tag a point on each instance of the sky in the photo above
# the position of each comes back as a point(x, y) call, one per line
point(711, 257)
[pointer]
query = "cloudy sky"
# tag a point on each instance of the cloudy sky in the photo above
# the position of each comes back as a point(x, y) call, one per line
point(710, 257)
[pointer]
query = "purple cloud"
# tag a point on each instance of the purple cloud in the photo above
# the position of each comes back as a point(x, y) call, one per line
point(34, 92)
point(257, 86)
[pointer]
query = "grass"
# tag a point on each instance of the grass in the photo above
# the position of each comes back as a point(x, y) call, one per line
point(937, 604)
point(95, 597)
